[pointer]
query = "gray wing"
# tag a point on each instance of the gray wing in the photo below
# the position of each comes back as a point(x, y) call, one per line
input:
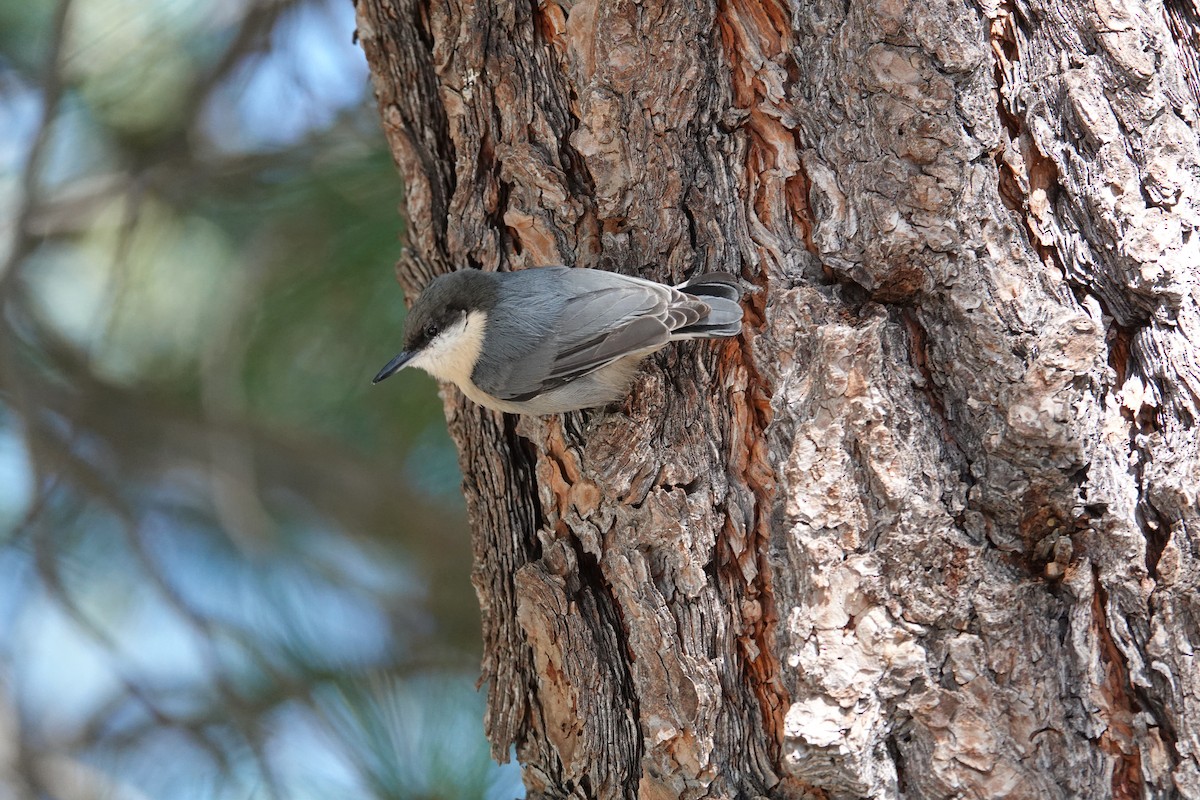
point(606, 317)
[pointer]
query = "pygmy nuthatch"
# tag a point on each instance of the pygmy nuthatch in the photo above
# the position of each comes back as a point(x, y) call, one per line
point(553, 339)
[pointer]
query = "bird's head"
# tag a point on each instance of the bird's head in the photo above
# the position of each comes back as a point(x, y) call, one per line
point(443, 334)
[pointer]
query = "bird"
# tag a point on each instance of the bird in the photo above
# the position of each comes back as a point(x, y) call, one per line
point(547, 340)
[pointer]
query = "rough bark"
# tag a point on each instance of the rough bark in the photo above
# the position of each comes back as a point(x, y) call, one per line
point(929, 528)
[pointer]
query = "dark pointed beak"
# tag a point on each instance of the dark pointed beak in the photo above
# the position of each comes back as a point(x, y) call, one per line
point(393, 366)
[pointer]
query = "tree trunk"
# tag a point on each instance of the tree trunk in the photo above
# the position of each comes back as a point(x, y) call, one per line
point(929, 528)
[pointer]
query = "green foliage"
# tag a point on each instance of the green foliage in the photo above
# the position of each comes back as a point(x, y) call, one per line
point(231, 567)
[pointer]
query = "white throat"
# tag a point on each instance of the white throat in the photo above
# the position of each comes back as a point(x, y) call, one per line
point(452, 354)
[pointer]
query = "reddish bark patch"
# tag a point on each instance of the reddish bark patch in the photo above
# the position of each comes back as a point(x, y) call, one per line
point(1028, 178)
point(1119, 740)
point(756, 37)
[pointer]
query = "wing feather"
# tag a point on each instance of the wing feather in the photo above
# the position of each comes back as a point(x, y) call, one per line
point(632, 337)
point(605, 317)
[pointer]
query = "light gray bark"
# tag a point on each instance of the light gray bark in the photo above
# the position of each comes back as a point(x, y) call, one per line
point(929, 528)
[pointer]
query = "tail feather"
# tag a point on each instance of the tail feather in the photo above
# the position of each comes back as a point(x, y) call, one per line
point(713, 284)
point(721, 292)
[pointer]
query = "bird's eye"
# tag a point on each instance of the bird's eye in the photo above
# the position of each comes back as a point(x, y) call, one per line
point(431, 330)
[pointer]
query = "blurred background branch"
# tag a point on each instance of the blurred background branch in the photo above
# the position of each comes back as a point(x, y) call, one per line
point(227, 568)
